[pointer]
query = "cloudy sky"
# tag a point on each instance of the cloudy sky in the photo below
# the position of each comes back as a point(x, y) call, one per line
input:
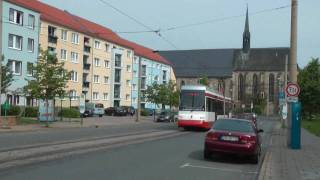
point(222, 28)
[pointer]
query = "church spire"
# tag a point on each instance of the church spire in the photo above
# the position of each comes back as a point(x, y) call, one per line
point(246, 35)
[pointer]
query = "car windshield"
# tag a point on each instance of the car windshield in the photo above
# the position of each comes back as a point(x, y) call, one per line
point(233, 125)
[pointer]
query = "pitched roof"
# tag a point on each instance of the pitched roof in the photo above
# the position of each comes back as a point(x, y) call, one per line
point(63, 18)
point(261, 59)
point(197, 63)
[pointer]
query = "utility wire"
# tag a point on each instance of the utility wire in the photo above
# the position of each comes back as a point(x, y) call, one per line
point(224, 18)
point(157, 32)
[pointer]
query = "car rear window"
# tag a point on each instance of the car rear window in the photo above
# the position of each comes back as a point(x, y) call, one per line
point(233, 125)
point(99, 105)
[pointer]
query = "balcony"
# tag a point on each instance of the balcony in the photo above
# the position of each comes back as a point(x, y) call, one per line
point(52, 39)
point(86, 84)
point(87, 49)
point(86, 66)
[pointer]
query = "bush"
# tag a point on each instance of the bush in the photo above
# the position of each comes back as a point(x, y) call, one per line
point(144, 112)
point(31, 112)
point(70, 113)
point(13, 111)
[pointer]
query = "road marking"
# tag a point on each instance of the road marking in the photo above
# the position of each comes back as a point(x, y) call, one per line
point(218, 169)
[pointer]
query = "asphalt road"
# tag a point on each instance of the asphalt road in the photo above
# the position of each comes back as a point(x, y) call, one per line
point(172, 158)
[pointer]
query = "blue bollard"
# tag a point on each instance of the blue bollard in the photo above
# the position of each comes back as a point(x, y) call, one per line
point(296, 126)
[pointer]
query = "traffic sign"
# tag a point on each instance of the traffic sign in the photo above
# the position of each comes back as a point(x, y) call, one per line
point(82, 106)
point(293, 90)
point(292, 99)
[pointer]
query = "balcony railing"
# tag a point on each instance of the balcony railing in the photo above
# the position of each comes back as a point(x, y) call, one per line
point(86, 49)
point(86, 66)
point(86, 84)
point(52, 39)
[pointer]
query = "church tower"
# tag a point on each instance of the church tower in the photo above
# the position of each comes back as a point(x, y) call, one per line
point(246, 36)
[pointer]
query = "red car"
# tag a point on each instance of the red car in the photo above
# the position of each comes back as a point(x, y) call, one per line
point(233, 136)
point(248, 116)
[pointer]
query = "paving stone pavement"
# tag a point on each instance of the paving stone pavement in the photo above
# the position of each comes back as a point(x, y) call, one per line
point(284, 163)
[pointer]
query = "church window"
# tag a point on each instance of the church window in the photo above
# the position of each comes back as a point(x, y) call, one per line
point(255, 86)
point(271, 87)
point(242, 81)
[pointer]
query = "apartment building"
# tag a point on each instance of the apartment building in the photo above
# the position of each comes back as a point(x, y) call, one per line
point(19, 46)
point(101, 62)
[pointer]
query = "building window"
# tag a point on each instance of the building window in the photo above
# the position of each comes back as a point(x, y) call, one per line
point(164, 77)
point(64, 34)
point(16, 16)
point(30, 47)
point(107, 47)
point(105, 96)
point(31, 21)
point(95, 96)
point(128, 82)
point(74, 57)
point(143, 70)
point(96, 62)
point(129, 54)
point(52, 31)
point(97, 44)
point(117, 75)
point(134, 87)
point(116, 91)
point(117, 61)
point(128, 68)
point(271, 87)
point(135, 74)
point(73, 95)
point(106, 79)
point(242, 87)
point(74, 76)
point(75, 38)
point(29, 69)
point(106, 64)
point(255, 87)
point(135, 60)
point(96, 79)
point(127, 97)
point(15, 67)
point(134, 100)
point(15, 42)
point(63, 54)
point(156, 79)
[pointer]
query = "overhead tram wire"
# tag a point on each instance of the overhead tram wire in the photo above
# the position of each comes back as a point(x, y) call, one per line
point(224, 18)
point(157, 32)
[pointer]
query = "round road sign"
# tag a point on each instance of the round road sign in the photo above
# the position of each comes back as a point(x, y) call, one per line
point(292, 89)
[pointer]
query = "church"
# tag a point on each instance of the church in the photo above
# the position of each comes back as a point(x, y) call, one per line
point(250, 76)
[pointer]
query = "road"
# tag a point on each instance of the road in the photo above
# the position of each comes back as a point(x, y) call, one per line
point(177, 157)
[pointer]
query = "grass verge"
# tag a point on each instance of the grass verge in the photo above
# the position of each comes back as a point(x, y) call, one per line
point(312, 126)
point(27, 120)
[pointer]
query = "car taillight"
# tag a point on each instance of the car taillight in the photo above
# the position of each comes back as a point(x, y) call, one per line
point(212, 136)
point(247, 139)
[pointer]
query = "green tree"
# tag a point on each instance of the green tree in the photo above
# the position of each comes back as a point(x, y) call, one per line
point(204, 81)
point(164, 94)
point(6, 77)
point(50, 78)
point(309, 81)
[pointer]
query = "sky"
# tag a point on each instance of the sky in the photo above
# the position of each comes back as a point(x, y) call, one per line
point(268, 28)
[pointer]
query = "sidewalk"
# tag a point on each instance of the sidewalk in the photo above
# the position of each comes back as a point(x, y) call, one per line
point(76, 123)
point(283, 163)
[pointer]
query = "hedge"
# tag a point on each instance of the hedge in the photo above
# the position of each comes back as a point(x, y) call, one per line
point(144, 112)
point(31, 111)
point(13, 111)
point(70, 113)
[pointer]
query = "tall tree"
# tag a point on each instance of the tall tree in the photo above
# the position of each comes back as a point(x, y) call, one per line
point(309, 81)
point(6, 77)
point(50, 78)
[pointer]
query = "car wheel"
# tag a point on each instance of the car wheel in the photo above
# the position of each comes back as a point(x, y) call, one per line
point(206, 154)
point(255, 158)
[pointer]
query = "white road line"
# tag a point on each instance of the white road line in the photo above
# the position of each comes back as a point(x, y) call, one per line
point(218, 169)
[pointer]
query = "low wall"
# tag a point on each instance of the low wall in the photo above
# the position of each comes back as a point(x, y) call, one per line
point(10, 121)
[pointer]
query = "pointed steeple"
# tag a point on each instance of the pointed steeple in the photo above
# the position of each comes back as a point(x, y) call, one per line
point(246, 35)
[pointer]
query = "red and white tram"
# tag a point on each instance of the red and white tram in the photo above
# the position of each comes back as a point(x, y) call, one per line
point(200, 106)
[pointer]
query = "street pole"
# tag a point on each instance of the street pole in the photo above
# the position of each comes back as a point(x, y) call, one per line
point(293, 59)
point(284, 87)
point(139, 92)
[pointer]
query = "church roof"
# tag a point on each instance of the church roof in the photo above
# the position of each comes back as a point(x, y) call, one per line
point(222, 62)
point(261, 59)
point(196, 63)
